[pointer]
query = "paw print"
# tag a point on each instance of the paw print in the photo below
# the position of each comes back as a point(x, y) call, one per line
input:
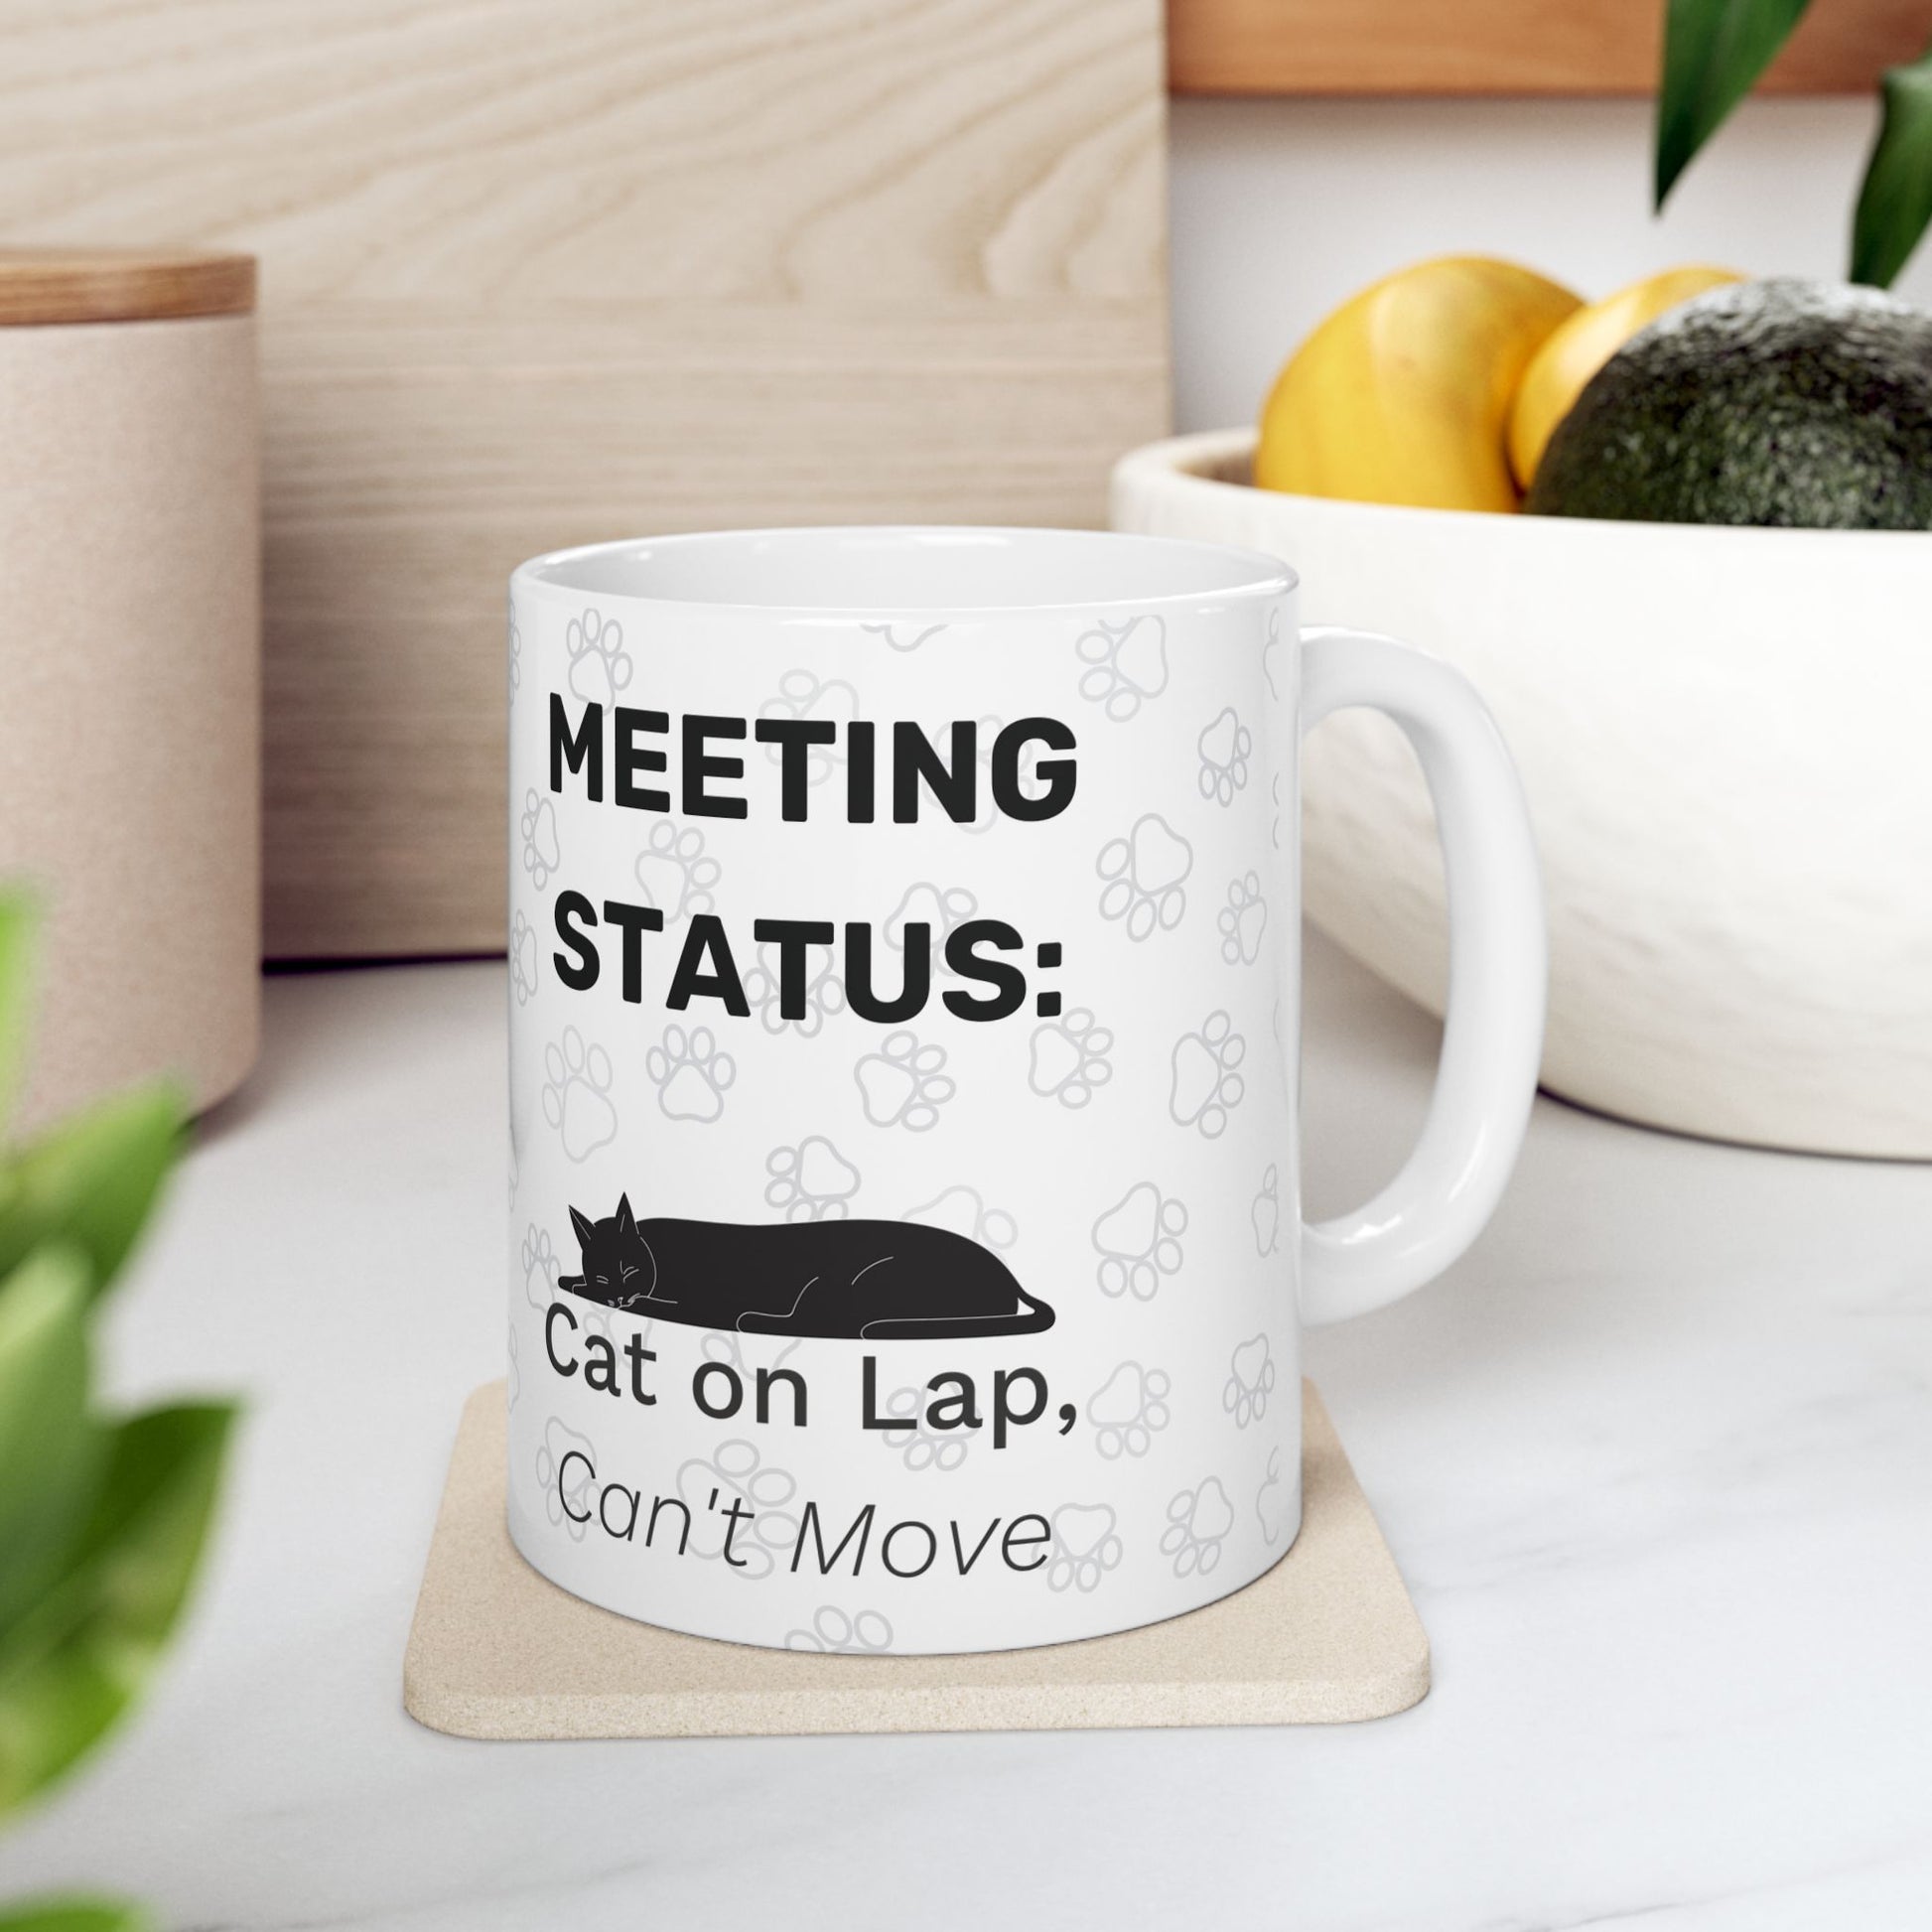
point(517, 655)
point(523, 959)
point(939, 908)
point(1272, 655)
point(1127, 1409)
point(903, 636)
point(812, 1181)
point(514, 1381)
point(1084, 1547)
point(902, 1084)
point(1205, 1084)
point(1266, 1214)
point(1275, 792)
point(1127, 665)
point(1251, 1381)
point(577, 1095)
point(599, 666)
point(1139, 1241)
point(1069, 1058)
point(866, 1634)
point(964, 1211)
point(1145, 874)
point(804, 694)
point(1197, 1520)
point(916, 1446)
point(540, 1267)
point(1273, 1500)
point(565, 1462)
point(673, 874)
point(764, 991)
point(737, 1472)
point(1242, 920)
point(690, 1072)
point(541, 855)
point(1224, 747)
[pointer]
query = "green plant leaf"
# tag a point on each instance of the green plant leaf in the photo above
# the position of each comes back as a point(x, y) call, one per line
point(1895, 202)
point(92, 1180)
point(1714, 52)
point(52, 1451)
point(74, 1915)
point(73, 1664)
point(19, 925)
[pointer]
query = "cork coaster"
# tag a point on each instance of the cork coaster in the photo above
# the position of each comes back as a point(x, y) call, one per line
point(1327, 1636)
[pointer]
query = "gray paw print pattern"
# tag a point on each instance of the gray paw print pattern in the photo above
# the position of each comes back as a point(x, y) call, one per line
point(1128, 1410)
point(1138, 1240)
point(1198, 1520)
point(1251, 1381)
point(1272, 655)
point(764, 991)
point(903, 636)
point(522, 959)
point(514, 1382)
point(1145, 875)
point(1267, 1213)
point(904, 1083)
point(516, 655)
point(599, 666)
point(542, 855)
point(577, 1095)
point(1126, 664)
point(1084, 1547)
point(1204, 1084)
point(916, 1446)
point(1225, 747)
point(540, 1267)
point(812, 1181)
point(1068, 1059)
point(673, 874)
point(1272, 1502)
point(963, 1210)
point(1242, 921)
point(565, 1462)
point(804, 694)
point(939, 909)
point(691, 1073)
point(736, 1471)
point(859, 1633)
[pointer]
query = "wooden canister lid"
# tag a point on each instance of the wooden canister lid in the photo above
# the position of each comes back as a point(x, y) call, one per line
point(46, 285)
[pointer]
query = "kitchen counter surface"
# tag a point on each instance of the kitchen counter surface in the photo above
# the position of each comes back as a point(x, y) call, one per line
point(1656, 1459)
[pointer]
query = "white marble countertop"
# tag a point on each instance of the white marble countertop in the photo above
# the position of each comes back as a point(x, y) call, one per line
point(1656, 1459)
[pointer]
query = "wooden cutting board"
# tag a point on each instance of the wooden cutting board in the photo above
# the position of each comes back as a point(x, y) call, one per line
point(536, 275)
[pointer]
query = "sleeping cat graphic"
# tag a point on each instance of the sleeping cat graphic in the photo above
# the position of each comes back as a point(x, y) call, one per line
point(863, 1280)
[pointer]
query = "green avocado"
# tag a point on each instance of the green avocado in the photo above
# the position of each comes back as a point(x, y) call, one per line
point(1797, 404)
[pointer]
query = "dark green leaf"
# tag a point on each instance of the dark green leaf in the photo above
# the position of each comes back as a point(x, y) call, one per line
point(17, 929)
point(51, 1450)
point(1714, 52)
point(69, 1667)
point(74, 1915)
point(1895, 202)
point(91, 1180)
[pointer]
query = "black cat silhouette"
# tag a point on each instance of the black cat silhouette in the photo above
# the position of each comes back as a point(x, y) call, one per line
point(867, 1280)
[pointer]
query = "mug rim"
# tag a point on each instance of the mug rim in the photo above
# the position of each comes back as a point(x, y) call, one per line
point(1261, 575)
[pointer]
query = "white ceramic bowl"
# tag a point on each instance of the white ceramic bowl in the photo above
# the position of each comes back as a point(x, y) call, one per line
point(1727, 740)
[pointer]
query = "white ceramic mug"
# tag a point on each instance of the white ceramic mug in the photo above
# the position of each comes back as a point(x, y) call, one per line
point(907, 1252)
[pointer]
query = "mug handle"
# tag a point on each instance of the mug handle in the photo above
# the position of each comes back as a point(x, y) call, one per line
point(1493, 1038)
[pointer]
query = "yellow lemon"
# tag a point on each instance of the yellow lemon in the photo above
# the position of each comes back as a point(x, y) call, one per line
point(1574, 351)
point(1403, 394)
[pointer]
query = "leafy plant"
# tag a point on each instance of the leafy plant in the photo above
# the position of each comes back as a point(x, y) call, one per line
point(1714, 52)
point(103, 1515)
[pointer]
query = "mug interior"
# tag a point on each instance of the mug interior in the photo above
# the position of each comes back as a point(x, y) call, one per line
point(911, 569)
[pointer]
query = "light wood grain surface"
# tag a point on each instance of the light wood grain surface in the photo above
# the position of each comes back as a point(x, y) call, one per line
point(1501, 47)
point(535, 275)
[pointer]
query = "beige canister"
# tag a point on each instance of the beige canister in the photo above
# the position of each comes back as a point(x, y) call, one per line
point(130, 663)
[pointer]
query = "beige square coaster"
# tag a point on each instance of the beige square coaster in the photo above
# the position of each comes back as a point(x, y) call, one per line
point(1327, 1636)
